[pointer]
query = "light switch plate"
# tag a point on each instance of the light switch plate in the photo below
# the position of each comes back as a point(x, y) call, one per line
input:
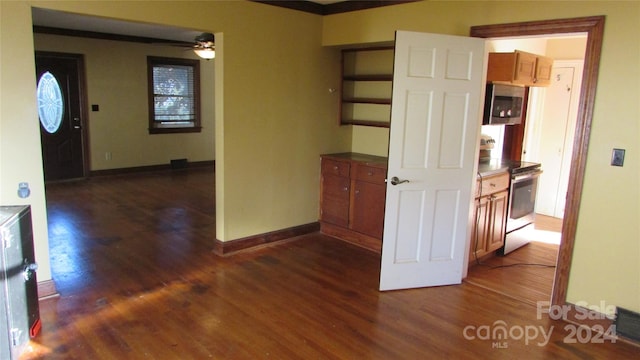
point(617, 157)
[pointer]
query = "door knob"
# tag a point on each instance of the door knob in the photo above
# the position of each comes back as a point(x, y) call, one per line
point(396, 181)
point(28, 270)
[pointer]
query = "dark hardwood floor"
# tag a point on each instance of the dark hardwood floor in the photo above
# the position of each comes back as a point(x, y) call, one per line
point(526, 274)
point(132, 259)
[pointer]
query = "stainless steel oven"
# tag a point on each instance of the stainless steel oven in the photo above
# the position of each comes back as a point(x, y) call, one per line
point(522, 203)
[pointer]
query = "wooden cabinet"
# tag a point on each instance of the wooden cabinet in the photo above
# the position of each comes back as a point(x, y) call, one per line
point(335, 192)
point(519, 68)
point(544, 66)
point(352, 198)
point(367, 76)
point(489, 218)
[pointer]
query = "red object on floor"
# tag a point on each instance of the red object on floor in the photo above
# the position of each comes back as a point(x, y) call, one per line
point(35, 328)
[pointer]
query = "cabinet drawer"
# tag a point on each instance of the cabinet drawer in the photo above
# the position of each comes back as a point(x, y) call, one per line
point(370, 174)
point(339, 168)
point(492, 184)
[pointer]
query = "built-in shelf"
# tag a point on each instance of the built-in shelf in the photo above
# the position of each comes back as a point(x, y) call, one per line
point(367, 76)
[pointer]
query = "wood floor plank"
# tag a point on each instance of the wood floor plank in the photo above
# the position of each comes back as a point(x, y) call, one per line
point(132, 259)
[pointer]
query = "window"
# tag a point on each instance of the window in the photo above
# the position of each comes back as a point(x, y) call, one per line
point(174, 95)
point(50, 102)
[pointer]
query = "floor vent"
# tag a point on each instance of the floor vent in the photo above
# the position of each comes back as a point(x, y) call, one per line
point(628, 324)
point(179, 164)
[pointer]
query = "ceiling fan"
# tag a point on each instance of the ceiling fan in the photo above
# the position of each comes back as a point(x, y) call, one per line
point(205, 46)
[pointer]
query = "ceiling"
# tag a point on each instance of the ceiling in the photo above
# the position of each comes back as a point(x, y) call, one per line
point(62, 20)
point(46, 20)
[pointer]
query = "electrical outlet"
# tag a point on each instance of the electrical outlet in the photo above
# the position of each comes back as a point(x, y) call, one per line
point(617, 157)
point(107, 155)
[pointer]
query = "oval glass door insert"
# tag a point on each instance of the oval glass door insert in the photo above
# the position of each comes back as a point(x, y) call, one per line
point(50, 102)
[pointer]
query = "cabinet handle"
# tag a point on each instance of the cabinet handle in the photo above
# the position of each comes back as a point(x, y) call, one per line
point(370, 173)
point(346, 188)
point(492, 185)
point(335, 167)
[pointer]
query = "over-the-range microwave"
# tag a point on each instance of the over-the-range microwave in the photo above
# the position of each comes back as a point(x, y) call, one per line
point(503, 104)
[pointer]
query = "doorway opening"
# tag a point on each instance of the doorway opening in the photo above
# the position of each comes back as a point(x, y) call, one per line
point(545, 137)
point(116, 101)
point(62, 110)
point(593, 27)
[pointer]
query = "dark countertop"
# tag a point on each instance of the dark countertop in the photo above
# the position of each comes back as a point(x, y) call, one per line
point(495, 166)
point(492, 167)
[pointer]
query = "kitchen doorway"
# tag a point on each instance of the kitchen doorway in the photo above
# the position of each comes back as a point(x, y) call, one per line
point(528, 273)
point(594, 28)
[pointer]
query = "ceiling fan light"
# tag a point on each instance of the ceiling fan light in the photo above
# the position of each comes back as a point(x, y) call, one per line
point(205, 53)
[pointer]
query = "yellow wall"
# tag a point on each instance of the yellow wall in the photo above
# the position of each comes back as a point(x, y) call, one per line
point(116, 74)
point(20, 156)
point(370, 140)
point(606, 261)
point(274, 112)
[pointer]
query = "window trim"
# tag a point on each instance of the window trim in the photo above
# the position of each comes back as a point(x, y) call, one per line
point(195, 64)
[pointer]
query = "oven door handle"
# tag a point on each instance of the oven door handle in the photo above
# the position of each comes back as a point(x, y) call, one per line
point(527, 176)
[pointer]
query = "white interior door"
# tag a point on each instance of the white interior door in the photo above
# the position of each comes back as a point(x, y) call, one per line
point(557, 128)
point(437, 102)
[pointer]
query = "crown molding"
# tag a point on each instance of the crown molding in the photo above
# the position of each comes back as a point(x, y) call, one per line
point(333, 8)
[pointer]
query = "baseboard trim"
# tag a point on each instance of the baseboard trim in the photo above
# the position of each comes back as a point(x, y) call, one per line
point(47, 289)
point(150, 168)
point(352, 237)
point(224, 248)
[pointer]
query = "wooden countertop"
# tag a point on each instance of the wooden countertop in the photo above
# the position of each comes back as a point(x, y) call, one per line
point(371, 160)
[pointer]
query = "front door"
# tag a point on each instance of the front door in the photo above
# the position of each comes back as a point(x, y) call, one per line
point(435, 117)
point(60, 112)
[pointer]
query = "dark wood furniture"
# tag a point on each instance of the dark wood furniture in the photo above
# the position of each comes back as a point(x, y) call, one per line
point(352, 198)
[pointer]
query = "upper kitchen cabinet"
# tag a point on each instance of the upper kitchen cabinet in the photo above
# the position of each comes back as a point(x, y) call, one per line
point(519, 68)
point(367, 76)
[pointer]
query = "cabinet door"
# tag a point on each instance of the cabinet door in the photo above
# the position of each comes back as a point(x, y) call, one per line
point(544, 65)
point(525, 68)
point(334, 201)
point(480, 229)
point(497, 220)
point(368, 208)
